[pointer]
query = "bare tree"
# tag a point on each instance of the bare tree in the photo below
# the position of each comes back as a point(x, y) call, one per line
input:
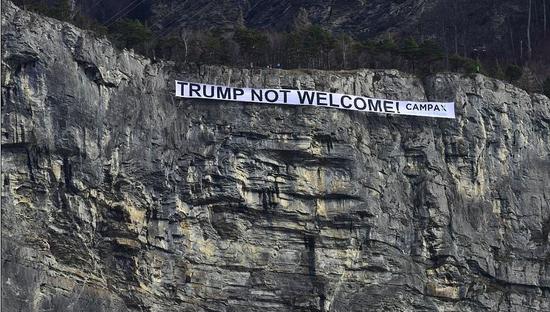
point(240, 19)
point(72, 5)
point(512, 39)
point(529, 51)
point(302, 20)
point(544, 15)
point(521, 49)
point(346, 43)
point(455, 26)
point(184, 37)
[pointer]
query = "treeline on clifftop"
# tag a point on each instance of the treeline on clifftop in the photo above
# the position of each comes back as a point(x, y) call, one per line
point(305, 46)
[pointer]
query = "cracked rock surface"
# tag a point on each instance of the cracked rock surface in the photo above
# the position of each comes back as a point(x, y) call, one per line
point(116, 196)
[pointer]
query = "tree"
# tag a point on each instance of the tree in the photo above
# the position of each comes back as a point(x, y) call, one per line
point(382, 53)
point(388, 45)
point(345, 44)
point(544, 15)
point(310, 46)
point(317, 44)
point(276, 48)
point(59, 9)
point(529, 50)
point(464, 64)
point(170, 48)
point(546, 87)
point(209, 48)
point(253, 44)
point(429, 52)
point(132, 34)
point(410, 50)
point(293, 42)
point(184, 37)
point(301, 21)
point(62, 10)
point(513, 72)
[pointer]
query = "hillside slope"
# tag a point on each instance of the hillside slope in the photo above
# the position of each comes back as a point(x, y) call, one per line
point(118, 197)
point(459, 26)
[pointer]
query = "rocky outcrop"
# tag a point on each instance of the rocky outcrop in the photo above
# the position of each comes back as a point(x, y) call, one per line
point(116, 196)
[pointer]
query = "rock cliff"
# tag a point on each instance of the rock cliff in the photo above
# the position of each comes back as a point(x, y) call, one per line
point(116, 196)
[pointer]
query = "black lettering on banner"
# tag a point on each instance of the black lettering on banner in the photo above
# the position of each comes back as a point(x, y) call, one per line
point(388, 107)
point(274, 98)
point(331, 101)
point(224, 93)
point(205, 91)
point(181, 84)
point(310, 97)
point(305, 95)
point(362, 101)
point(257, 94)
point(285, 93)
point(193, 87)
point(342, 101)
point(237, 92)
point(377, 107)
point(321, 96)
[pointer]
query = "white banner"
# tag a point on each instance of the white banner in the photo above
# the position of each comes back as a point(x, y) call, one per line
point(313, 98)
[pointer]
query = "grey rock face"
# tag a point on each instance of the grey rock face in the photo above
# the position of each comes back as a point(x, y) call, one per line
point(118, 197)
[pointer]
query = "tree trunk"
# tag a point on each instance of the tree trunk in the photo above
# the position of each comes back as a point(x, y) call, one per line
point(529, 51)
point(464, 49)
point(544, 16)
point(456, 39)
point(343, 53)
point(456, 16)
point(73, 9)
point(184, 36)
point(512, 42)
point(521, 50)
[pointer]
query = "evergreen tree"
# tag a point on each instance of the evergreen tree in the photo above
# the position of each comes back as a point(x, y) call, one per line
point(410, 50)
point(132, 34)
point(429, 53)
point(253, 44)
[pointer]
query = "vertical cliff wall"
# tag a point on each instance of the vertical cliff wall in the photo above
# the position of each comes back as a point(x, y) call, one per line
point(118, 197)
